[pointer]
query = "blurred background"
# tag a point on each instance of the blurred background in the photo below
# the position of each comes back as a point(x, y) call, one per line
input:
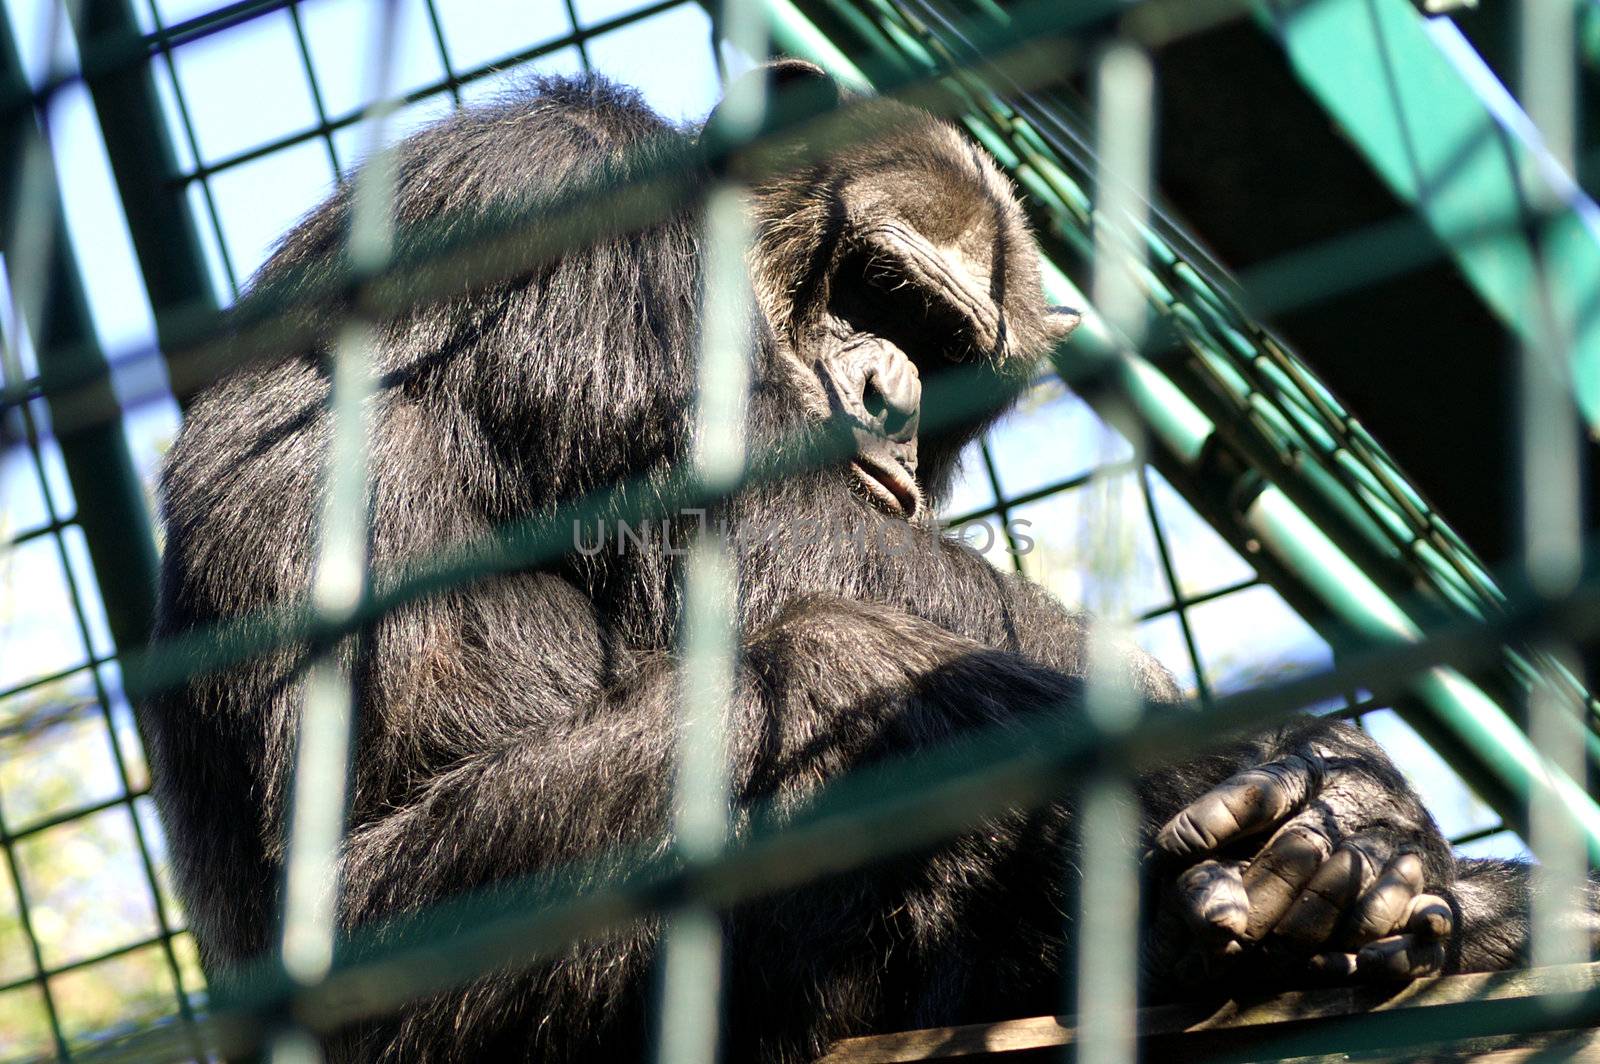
point(262, 103)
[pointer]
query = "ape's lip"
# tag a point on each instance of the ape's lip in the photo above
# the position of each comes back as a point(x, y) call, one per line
point(888, 485)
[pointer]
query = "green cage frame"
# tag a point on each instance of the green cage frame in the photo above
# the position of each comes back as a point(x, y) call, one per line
point(1229, 415)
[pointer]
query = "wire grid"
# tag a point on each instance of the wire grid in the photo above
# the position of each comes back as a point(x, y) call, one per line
point(76, 959)
point(163, 959)
point(166, 41)
point(1295, 430)
point(55, 997)
point(1004, 504)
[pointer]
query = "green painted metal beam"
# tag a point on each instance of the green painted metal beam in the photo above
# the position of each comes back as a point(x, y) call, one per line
point(110, 502)
point(165, 234)
point(1454, 713)
point(1435, 140)
point(795, 34)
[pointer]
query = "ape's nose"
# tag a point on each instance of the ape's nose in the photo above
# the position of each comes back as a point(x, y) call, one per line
point(892, 396)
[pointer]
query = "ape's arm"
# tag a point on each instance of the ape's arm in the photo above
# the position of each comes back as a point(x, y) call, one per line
point(1494, 899)
point(1314, 793)
point(825, 687)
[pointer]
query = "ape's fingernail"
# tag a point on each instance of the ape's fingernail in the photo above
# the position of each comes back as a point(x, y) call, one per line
point(1062, 321)
point(1232, 948)
point(1333, 965)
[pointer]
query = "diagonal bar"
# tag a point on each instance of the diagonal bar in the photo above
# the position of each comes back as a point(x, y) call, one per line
point(1455, 714)
point(1401, 88)
point(165, 234)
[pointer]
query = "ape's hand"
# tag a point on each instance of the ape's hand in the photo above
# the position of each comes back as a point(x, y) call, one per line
point(1339, 878)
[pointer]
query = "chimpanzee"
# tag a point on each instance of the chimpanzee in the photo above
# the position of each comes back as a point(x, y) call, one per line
point(526, 721)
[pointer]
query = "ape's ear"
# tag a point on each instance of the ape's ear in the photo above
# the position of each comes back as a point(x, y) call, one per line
point(785, 74)
point(794, 87)
point(1061, 322)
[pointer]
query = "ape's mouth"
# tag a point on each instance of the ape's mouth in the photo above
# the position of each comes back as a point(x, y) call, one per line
point(888, 485)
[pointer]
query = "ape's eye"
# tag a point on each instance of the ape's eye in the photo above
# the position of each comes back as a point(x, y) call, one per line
point(875, 292)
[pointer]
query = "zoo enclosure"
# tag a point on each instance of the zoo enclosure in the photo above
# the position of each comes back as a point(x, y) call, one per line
point(1217, 404)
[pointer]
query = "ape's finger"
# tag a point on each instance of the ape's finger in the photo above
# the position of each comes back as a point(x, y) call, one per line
point(1400, 957)
point(1214, 901)
point(1333, 966)
point(1280, 871)
point(1249, 802)
point(1382, 909)
point(1332, 889)
point(1429, 917)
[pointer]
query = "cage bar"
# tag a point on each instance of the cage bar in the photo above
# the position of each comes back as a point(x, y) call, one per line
point(1235, 420)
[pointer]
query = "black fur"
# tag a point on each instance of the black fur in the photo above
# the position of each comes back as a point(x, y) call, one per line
point(525, 722)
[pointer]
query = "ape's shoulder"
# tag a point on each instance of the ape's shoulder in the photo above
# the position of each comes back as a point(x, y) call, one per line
point(535, 143)
point(552, 116)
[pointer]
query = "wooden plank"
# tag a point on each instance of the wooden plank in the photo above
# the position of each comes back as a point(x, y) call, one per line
point(1165, 1029)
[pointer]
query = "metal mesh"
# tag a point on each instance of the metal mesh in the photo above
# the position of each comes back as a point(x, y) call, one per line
point(1193, 577)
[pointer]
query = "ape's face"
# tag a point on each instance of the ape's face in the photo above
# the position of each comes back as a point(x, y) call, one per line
point(885, 266)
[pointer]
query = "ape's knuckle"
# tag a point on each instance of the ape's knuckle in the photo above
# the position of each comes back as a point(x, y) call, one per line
point(1432, 917)
point(1203, 875)
point(1376, 922)
point(1186, 834)
point(1310, 836)
point(1310, 917)
point(1364, 855)
point(1407, 867)
point(1274, 881)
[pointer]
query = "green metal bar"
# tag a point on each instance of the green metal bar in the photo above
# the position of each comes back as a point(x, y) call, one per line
point(797, 35)
point(1002, 505)
point(1179, 606)
point(36, 243)
point(303, 46)
point(326, 729)
point(690, 1003)
point(35, 954)
point(205, 306)
point(577, 37)
point(111, 505)
point(11, 365)
point(1184, 428)
point(1055, 487)
point(1496, 749)
point(1107, 982)
point(1552, 496)
point(1457, 704)
point(121, 950)
point(872, 815)
point(436, 31)
point(1364, 507)
point(1430, 135)
point(165, 237)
